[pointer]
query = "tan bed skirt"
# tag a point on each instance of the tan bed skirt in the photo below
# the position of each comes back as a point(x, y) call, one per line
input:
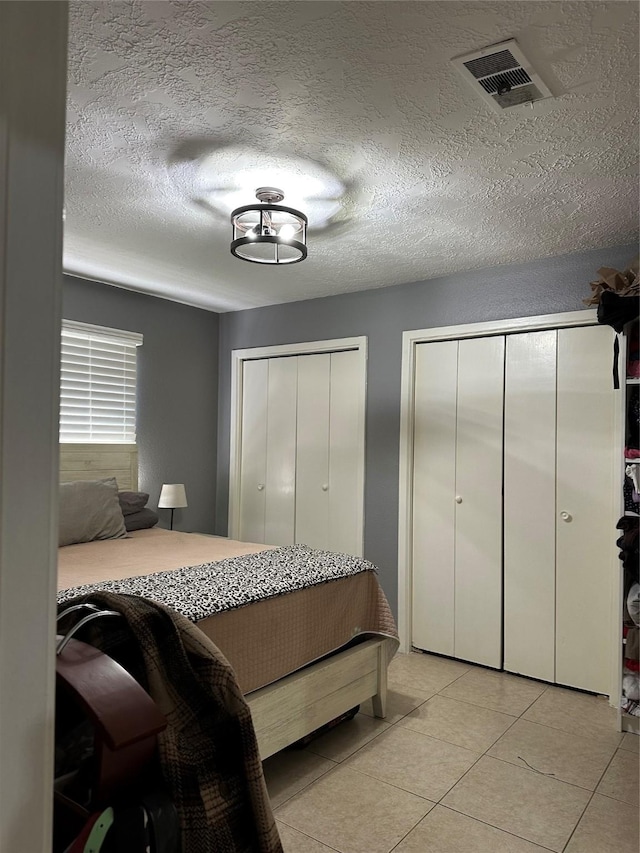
point(263, 641)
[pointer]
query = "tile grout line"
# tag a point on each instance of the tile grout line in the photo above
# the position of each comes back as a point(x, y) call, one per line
point(615, 799)
point(531, 704)
point(451, 743)
point(499, 828)
point(437, 692)
point(415, 731)
point(604, 773)
point(592, 793)
point(356, 751)
point(555, 728)
point(564, 731)
point(476, 705)
point(468, 770)
point(389, 726)
point(395, 846)
point(521, 716)
point(485, 753)
point(481, 755)
point(404, 716)
point(308, 785)
point(541, 773)
point(573, 831)
point(415, 708)
point(312, 837)
point(466, 702)
point(582, 735)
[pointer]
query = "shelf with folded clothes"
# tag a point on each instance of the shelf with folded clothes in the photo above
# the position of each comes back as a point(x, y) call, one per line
point(632, 423)
point(630, 652)
point(628, 544)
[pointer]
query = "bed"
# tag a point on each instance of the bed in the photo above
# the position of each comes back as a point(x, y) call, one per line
point(302, 657)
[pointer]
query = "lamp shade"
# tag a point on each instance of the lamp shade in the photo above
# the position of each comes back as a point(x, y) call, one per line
point(172, 495)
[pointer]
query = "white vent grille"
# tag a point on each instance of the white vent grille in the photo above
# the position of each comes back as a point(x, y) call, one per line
point(502, 76)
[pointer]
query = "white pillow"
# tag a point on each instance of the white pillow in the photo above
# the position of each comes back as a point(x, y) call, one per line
point(88, 510)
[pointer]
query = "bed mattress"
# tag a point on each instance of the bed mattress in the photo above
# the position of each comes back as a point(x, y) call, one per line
point(264, 640)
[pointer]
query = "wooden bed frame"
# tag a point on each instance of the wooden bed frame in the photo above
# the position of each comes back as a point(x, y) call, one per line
point(97, 461)
point(293, 706)
point(298, 704)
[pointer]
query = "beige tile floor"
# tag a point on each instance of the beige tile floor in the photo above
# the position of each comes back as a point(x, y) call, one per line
point(468, 761)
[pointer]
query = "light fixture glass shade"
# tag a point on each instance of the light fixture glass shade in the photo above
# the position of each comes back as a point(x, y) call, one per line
point(172, 496)
point(269, 233)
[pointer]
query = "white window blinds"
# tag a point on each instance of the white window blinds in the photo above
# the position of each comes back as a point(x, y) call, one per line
point(97, 384)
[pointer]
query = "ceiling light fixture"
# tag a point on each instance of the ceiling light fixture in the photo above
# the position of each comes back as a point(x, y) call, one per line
point(269, 233)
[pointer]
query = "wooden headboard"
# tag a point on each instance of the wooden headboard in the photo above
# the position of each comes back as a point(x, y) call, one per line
point(97, 461)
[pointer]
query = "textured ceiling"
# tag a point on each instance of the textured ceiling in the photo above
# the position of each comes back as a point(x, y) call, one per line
point(178, 110)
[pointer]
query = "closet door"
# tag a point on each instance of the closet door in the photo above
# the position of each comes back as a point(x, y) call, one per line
point(346, 425)
point(253, 464)
point(302, 451)
point(280, 477)
point(585, 507)
point(312, 453)
point(530, 504)
point(434, 508)
point(478, 499)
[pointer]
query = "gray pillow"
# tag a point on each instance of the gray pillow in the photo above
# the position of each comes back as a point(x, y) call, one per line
point(131, 502)
point(88, 510)
point(141, 520)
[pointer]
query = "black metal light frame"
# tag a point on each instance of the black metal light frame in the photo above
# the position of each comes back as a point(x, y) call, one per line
point(299, 245)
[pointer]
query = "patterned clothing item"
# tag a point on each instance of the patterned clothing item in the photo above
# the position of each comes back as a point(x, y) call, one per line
point(208, 752)
point(631, 506)
point(630, 706)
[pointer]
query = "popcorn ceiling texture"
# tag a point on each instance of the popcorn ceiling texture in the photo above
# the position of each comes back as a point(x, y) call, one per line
point(433, 181)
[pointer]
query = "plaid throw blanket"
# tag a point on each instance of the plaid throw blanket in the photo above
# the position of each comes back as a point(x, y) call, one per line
point(208, 753)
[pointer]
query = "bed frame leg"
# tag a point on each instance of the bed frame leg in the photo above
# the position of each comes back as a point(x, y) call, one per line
point(379, 701)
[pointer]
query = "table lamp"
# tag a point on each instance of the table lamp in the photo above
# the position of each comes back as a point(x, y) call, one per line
point(172, 496)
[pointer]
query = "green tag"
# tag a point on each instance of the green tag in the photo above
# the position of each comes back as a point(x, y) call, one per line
point(99, 831)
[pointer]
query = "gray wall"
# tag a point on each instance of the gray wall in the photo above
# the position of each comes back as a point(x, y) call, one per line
point(177, 391)
point(541, 287)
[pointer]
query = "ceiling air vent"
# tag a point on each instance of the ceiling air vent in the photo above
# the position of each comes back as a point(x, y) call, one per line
point(502, 75)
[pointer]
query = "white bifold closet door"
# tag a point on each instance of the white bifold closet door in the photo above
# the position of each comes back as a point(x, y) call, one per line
point(268, 463)
point(587, 507)
point(280, 480)
point(530, 505)
point(457, 499)
point(558, 505)
point(301, 451)
point(253, 466)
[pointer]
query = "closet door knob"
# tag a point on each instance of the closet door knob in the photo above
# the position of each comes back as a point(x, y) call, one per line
point(260, 487)
point(565, 516)
point(325, 487)
point(458, 499)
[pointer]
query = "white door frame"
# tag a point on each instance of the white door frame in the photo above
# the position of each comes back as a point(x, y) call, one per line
point(33, 67)
point(238, 357)
point(410, 339)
